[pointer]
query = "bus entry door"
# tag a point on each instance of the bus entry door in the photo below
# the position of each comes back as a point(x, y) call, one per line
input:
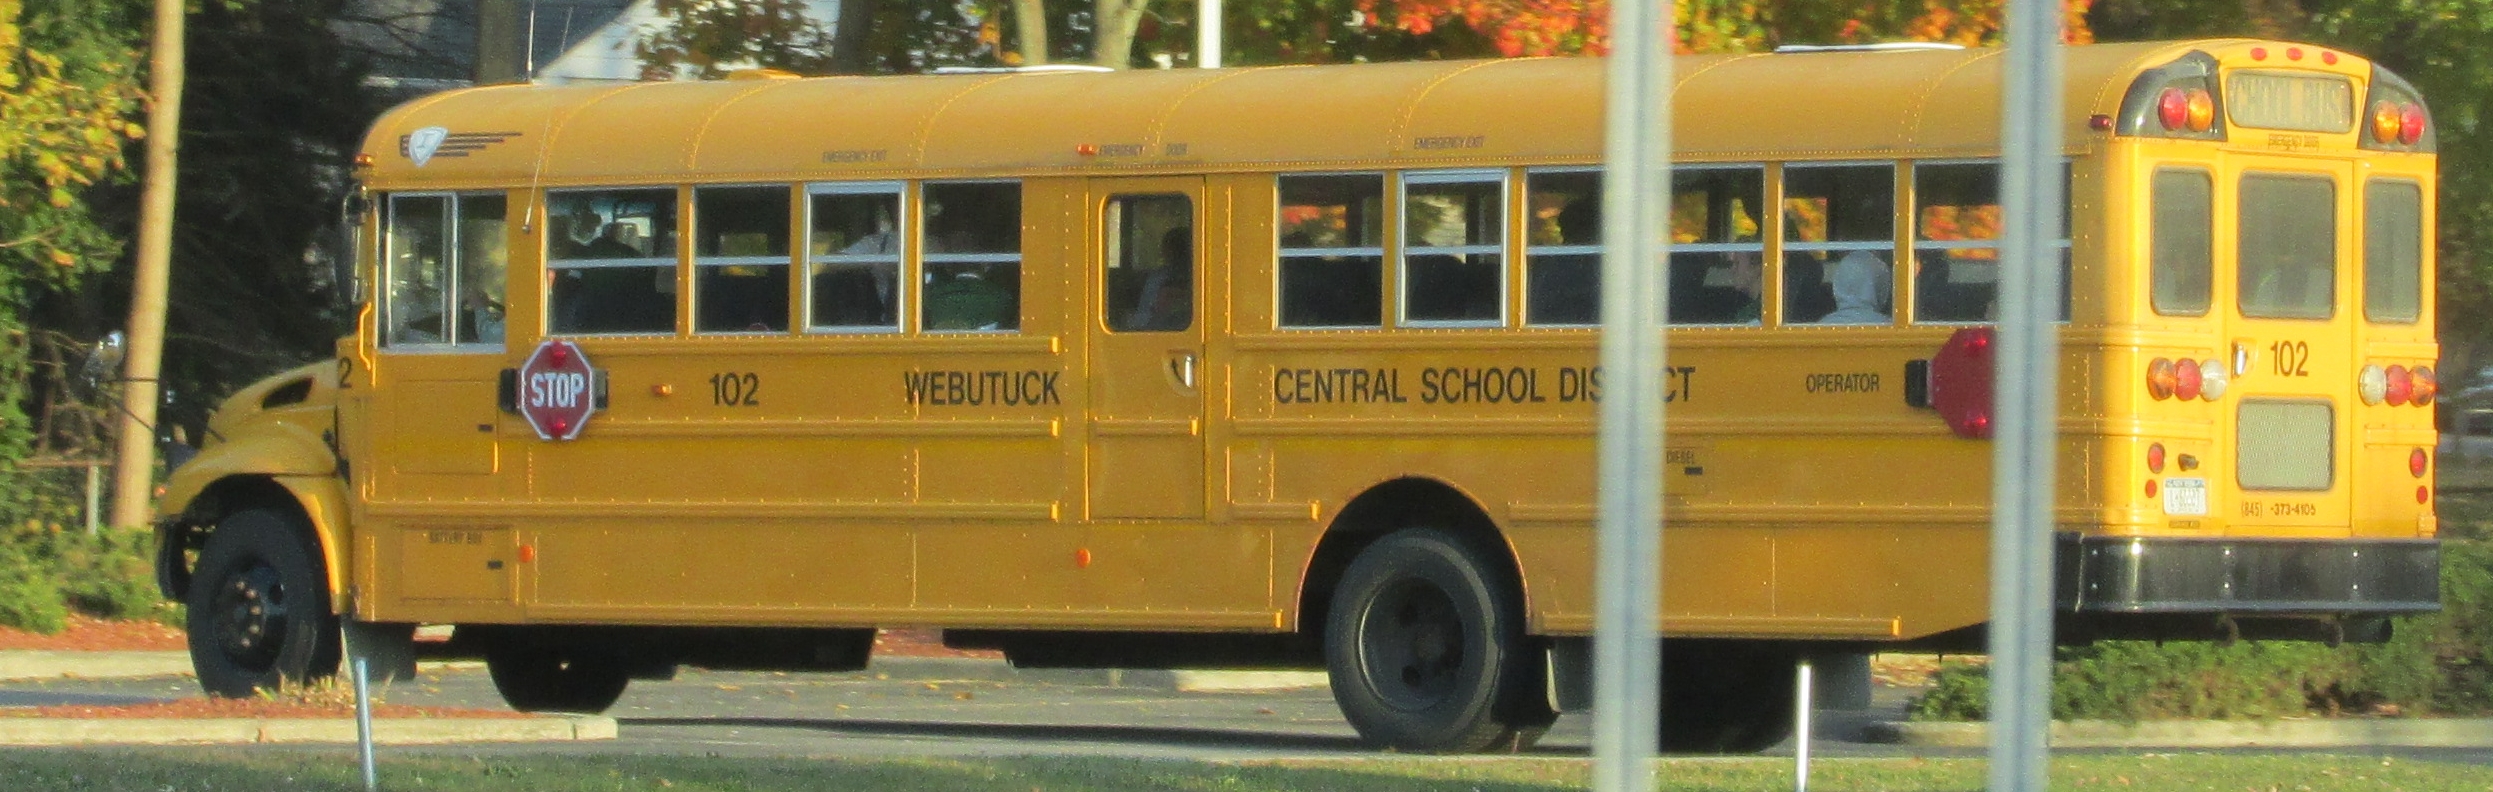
point(1146, 331)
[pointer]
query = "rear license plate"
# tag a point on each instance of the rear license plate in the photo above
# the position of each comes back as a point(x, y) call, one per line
point(2185, 497)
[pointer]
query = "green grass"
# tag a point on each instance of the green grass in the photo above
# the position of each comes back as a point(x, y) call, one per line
point(189, 769)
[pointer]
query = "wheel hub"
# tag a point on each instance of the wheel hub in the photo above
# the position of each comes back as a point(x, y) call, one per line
point(1418, 656)
point(250, 612)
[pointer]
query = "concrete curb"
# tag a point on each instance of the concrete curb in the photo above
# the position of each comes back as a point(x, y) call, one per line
point(18, 665)
point(392, 731)
point(973, 669)
point(2287, 733)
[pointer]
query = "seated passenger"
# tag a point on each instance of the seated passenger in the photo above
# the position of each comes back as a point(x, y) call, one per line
point(1861, 284)
point(966, 299)
point(1748, 275)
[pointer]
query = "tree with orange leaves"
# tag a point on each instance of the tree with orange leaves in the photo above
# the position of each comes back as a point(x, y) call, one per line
point(1561, 27)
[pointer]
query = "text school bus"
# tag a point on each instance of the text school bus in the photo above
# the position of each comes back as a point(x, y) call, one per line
point(1296, 366)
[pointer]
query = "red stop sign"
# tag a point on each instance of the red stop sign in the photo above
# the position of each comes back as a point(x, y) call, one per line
point(557, 390)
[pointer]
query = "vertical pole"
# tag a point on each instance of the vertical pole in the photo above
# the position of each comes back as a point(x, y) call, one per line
point(1208, 34)
point(95, 496)
point(134, 465)
point(1801, 705)
point(2027, 396)
point(363, 722)
point(1627, 648)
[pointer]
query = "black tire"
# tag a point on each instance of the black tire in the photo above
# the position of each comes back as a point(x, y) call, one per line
point(1427, 653)
point(1725, 697)
point(557, 678)
point(259, 607)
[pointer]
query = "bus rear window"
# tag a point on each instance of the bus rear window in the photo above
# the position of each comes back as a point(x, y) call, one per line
point(2183, 233)
point(2287, 240)
point(2393, 251)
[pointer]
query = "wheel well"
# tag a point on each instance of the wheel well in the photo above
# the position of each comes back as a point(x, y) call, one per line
point(1392, 506)
point(227, 496)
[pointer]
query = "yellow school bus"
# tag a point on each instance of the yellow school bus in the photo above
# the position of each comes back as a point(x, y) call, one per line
point(1296, 366)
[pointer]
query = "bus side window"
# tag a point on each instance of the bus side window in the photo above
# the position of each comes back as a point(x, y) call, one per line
point(1717, 256)
point(740, 264)
point(416, 265)
point(1829, 213)
point(972, 256)
point(1453, 245)
point(853, 257)
point(1332, 250)
point(1562, 253)
point(1956, 254)
point(1149, 263)
point(610, 261)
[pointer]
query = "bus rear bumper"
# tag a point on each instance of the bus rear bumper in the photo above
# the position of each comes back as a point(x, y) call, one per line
point(2154, 586)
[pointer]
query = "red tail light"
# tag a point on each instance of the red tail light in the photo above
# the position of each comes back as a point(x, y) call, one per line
point(2410, 123)
point(2186, 379)
point(2155, 458)
point(2417, 461)
point(1961, 375)
point(2173, 108)
point(2401, 386)
point(2427, 386)
point(2162, 379)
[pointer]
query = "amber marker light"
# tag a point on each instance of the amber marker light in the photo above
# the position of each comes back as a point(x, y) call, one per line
point(2387, 122)
point(2160, 379)
point(2201, 110)
point(2427, 386)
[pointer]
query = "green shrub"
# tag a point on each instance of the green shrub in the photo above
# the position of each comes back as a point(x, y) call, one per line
point(47, 571)
point(30, 596)
point(2438, 664)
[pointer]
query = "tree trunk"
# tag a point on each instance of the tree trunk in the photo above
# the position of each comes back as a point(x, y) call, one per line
point(848, 38)
point(1030, 31)
point(1112, 35)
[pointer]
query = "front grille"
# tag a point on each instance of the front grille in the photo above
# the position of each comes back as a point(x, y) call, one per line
point(2285, 445)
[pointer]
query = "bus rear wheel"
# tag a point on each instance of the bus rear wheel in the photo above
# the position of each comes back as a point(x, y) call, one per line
point(1725, 697)
point(259, 608)
point(1427, 653)
point(535, 677)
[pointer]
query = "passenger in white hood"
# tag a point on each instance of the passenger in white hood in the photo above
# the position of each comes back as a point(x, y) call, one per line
point(1862, 285)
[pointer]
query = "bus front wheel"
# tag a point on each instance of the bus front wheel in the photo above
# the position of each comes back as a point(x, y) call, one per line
point(259, 608)
point(1426, 650)
point(535, 677)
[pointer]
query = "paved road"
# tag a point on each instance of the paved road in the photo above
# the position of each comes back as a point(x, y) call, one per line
point(798, 715)
point(777, 714)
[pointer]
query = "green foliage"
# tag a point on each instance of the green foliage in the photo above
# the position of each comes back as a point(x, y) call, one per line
point(30, 595)
point(47, 572)
point(2439, 664)
point(709, 38)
